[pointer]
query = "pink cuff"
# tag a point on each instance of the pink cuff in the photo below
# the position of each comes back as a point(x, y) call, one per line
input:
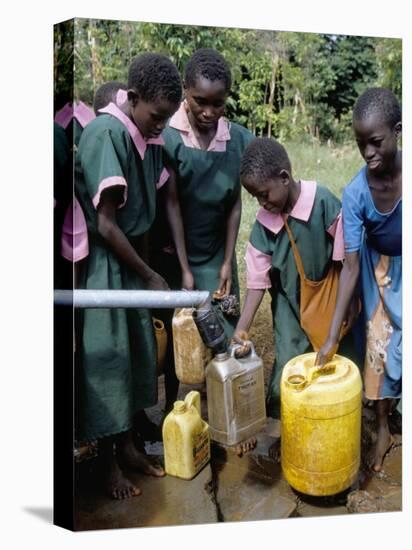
point(83, 114)
point(336, 231)
point(258, 266)
point(74, 241)
point(110, 182)
point(164, 176)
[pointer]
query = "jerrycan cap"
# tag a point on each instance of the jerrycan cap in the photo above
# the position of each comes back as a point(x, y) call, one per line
point(179, 407)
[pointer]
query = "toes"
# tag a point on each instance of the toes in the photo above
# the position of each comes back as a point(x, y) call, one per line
point(252, 443)
point(245, 446)
point(156, 471)
point(125, 492)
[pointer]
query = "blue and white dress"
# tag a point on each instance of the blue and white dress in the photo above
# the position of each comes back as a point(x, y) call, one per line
point(377, 236)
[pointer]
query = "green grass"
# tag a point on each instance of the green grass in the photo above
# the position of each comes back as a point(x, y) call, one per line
point(331, 167)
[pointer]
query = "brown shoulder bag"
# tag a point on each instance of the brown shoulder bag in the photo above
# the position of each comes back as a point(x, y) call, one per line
point(317, 299)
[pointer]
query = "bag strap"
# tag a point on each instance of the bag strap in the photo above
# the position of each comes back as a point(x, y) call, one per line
point(298, 259)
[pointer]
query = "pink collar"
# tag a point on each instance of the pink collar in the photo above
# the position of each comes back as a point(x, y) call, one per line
point(301, 211)
point(83, 114)
point(80, 111)
point(140, 142)
point(180, 121)
point(64, 115)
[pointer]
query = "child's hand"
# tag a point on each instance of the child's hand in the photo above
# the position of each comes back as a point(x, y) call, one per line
point(188, 281)
point(326, 353)
point(156, 282)
point(241, 337)
point(225, 282)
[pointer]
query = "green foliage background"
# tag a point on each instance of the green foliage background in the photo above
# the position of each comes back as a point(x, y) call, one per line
point(294, 86)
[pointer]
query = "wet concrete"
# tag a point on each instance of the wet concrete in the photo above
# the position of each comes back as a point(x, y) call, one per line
point(251, 487)
point(164, 501)
point(235, 488)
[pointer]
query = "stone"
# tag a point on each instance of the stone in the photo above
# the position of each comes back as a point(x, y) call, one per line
point(362, 502)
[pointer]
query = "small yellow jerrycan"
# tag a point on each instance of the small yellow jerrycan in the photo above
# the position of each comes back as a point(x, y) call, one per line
point(320, 424)
point(186, 439)
point(190, 353)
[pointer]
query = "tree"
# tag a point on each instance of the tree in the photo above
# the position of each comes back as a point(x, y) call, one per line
point(287, 84)
point(389, 60)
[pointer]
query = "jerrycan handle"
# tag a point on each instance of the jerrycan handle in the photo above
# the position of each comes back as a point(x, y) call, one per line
point(299, 382)
point(251, 352)
point(193, 399)
point(315, 371)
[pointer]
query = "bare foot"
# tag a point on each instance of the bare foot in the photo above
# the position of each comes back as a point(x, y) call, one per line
point(384, 444)
point(245, 446)
point(117, 485)
point(274, 451)
point(132, 458)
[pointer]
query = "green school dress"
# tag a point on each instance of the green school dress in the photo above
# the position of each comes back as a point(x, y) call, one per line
point(208, 186)
point(118, 351)
point(62, 195)
point(315, 246)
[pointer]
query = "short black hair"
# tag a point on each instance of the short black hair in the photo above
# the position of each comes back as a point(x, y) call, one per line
point(379, 102)
point(263, 159)
point(106, 93)
point(210, 64)
point(154, 76)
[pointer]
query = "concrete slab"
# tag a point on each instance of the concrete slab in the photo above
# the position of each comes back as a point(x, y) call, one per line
point(163, 502)
point(235, 489)
point(247, 499)
point(251, 487)
point(380, 492)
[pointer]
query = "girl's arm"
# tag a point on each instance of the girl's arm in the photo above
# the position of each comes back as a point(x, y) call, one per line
point(252, 302)
point(174, 216)
point(232, 230)
point(118, 242)
point(347, 285)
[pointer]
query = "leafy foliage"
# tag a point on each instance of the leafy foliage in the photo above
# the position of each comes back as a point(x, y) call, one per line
point(287, 84)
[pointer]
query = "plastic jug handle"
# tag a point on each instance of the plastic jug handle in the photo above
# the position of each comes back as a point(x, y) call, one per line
point(315, 371)
point(251, 352)
point(193, 399)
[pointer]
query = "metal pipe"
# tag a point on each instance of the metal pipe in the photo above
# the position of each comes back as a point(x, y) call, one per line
point(131, 298)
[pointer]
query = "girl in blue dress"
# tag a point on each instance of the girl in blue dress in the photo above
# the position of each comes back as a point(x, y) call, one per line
point(372, 225)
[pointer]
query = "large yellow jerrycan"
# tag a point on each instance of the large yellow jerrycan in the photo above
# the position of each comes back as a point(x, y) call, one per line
point(186, 439)
point(320, 424)
point(190, 353)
